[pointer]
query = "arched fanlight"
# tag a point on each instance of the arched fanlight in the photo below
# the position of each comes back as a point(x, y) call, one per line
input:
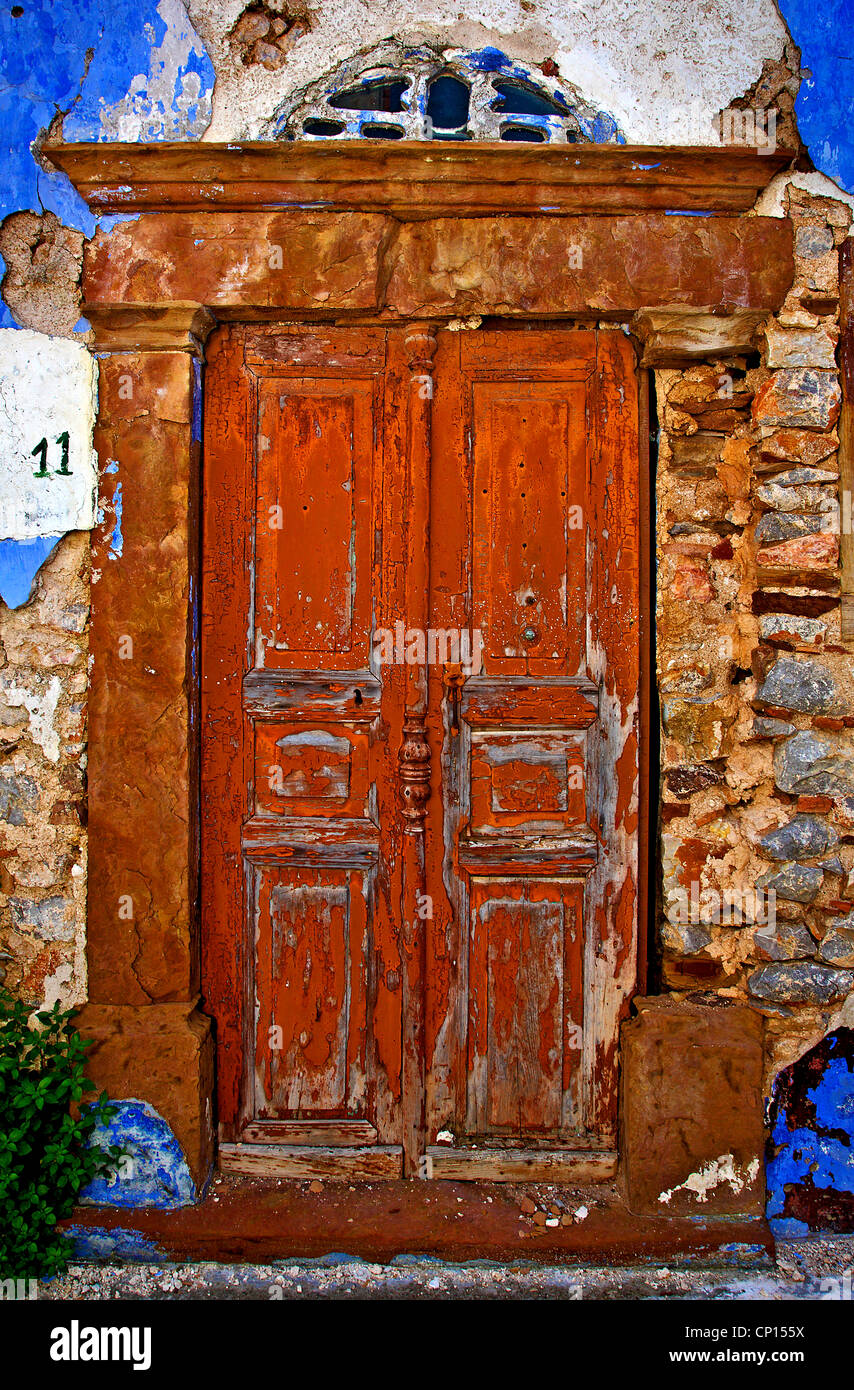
point(395, 93)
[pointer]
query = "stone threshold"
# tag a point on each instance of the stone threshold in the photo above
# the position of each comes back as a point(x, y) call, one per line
point(264, 1220)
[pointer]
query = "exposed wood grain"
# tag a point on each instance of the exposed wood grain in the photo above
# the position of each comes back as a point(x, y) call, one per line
point(512, 952)
point(414, 751)
point(225, 768)
point(477, 493)
point(322, 1133)
point(415, 179)
point(377, 1164)
point(515, 1165)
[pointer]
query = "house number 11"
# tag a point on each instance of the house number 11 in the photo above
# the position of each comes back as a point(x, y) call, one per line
point(41, 451)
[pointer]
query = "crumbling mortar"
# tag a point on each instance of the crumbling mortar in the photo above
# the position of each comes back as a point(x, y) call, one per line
point(794, 1027)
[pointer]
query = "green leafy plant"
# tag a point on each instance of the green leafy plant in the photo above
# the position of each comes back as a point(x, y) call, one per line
point(46, 1154)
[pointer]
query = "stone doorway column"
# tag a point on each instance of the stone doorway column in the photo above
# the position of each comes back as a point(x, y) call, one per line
point(150, 1042)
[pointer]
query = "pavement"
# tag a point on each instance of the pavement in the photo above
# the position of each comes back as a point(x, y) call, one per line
point(816, 1268)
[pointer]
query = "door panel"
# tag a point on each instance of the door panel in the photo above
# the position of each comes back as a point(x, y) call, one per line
point(532, 843)
point(419, 872)
point(529, 487)
point(313, 522)
point(311, 978)
point(525, 1006)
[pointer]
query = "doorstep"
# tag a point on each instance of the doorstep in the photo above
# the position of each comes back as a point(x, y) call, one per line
point(243, 1219)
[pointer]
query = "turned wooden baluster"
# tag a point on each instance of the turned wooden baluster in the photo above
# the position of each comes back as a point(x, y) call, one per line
point(414, 753)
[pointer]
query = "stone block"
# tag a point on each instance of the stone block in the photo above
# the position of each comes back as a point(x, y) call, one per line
point(837, 947)
point(788, 496)
point(800, 982)
point(813, 764)
point(162, 1055)
point(799, 446)
point(802, 553)
point(699, 723)
point(799, 397)
point(797, 883)
point(804, 686)
point(771, 728)
point(774, 527)
point(805, 837)
point(801, 347)
point(692, 1109)
point(793, 629)
point(783, 941)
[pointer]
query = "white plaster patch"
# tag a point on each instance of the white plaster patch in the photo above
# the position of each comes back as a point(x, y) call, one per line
point(718, 1170)
point(663, 70)
point(48, 399)
point(41, 708)
point(771, 201)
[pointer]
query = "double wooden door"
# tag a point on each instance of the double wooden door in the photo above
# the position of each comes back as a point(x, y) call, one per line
point(420, 655)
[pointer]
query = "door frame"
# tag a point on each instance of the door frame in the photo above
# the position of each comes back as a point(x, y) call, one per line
point(198, 249)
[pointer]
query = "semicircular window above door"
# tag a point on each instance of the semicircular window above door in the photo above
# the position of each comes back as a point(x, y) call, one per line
point(418, 94)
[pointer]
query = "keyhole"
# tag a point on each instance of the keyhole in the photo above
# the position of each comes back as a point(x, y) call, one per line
point(357, 697)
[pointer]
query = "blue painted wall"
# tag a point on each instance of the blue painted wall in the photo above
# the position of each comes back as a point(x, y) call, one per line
point(81, 58)
point(93, 62)
point(810, 1170)
point(824, 32)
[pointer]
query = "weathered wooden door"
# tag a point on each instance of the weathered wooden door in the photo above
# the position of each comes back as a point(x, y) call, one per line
point(420, 644)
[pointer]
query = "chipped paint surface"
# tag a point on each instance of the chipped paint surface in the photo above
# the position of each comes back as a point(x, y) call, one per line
point(41, 708)
point(811, 1162)
point(825, 37)
point(150, 79)
point(495, 1010)
point(719, 1170)
point(153, 1171)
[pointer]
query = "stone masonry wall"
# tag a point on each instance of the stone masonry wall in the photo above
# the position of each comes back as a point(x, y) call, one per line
point(755, 683)
point(43, 681)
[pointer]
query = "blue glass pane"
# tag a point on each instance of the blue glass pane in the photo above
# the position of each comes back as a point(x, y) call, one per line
point(524, 132)
point(448, 103)
point(371, 131)
point(520, 99)
point(315, 126)
point(372, 96)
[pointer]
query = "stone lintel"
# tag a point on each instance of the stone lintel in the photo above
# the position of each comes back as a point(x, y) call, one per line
point(309, 264)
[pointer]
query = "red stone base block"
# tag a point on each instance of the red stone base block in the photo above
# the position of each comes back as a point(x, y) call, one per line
point(162, 1054)
point(692, 1131)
